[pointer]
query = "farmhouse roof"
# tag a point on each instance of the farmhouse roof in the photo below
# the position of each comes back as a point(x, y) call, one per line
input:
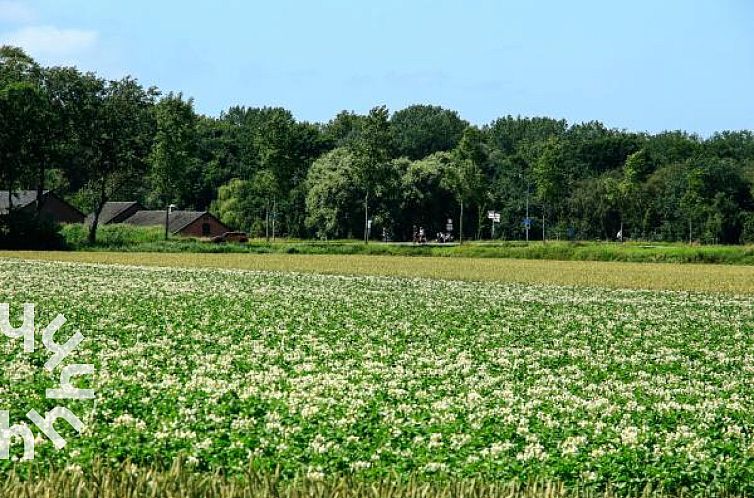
point(112, 210)
point(178, 219)
point(21, 198)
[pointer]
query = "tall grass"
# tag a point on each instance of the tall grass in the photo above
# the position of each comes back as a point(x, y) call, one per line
point(116, 236)
point(127, 480)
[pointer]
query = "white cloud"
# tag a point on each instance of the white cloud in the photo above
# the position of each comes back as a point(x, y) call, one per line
point(49, 43)
point(15, 12)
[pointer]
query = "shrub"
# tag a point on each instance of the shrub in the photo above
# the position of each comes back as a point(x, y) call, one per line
point(113, 236)
point(25, 230)
point(747, 233)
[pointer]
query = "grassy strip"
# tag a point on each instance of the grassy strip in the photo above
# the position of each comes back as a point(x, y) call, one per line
point(709, 278)
point(137, 239)
point(127, 480)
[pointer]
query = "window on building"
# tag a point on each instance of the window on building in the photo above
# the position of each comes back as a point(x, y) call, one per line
point(205, 229)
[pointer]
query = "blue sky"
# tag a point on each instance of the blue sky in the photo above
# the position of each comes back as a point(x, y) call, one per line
point(638, 64)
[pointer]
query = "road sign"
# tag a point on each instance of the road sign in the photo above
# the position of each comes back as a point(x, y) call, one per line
point(491, 215)
point(527, 223)
point(496, 218)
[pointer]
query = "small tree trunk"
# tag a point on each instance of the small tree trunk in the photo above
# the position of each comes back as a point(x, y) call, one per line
point(92, 238)
point(97, 211)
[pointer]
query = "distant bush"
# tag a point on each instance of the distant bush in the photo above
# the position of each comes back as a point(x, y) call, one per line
point(747, 233)
point(25, 230)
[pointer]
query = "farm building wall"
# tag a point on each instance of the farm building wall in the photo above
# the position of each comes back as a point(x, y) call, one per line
point(204, 226)
point(57, 210)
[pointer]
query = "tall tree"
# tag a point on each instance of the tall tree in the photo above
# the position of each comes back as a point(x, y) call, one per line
point(430, 189)
point(420, 130)
point(344, 129)
point(550, 176)
point(470, 182)
point(120, 142)
point(23, 109)
point(248, 204)
point(334, 191)
point(373, 153)
point(22, 113)
point(174, 150)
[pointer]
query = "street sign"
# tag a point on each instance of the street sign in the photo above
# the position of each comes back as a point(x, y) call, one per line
point(491, 215)
point(496, 218)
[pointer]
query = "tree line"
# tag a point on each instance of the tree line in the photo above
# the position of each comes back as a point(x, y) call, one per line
point(92, 140)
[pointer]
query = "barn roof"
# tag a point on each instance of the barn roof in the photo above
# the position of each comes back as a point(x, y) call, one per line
point(111, 210)
point(21, 198)
point(178, 219)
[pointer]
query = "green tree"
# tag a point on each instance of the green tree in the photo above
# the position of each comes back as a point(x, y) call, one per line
point(373, 153)
point(248, 204)
point(265, 193)
point(230, 205)
point(469, 179)
point(430, 188)
point(550, 177)
point(420, 130)
point(120, 142)
point(629, 195)
point(692, 205)
point(334, 188)
point(23, 112)
point(344, 129)
point(174, 151)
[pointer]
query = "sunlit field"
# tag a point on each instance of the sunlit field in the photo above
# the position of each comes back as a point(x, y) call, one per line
point(658, 276)
point(377, 378)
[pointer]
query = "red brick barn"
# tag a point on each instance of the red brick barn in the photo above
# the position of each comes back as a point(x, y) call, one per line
point(53, 207)
point(186, 223)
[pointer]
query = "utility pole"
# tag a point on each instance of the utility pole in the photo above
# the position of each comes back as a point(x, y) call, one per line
point(460, 227)
point(274, 216)
point(167, 219)
point(366, 218)
point(527, 222)
point(267, 221)
point(543, 223)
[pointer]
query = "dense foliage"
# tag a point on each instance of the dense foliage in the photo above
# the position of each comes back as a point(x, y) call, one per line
point(93, 141)
point(332, 375)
